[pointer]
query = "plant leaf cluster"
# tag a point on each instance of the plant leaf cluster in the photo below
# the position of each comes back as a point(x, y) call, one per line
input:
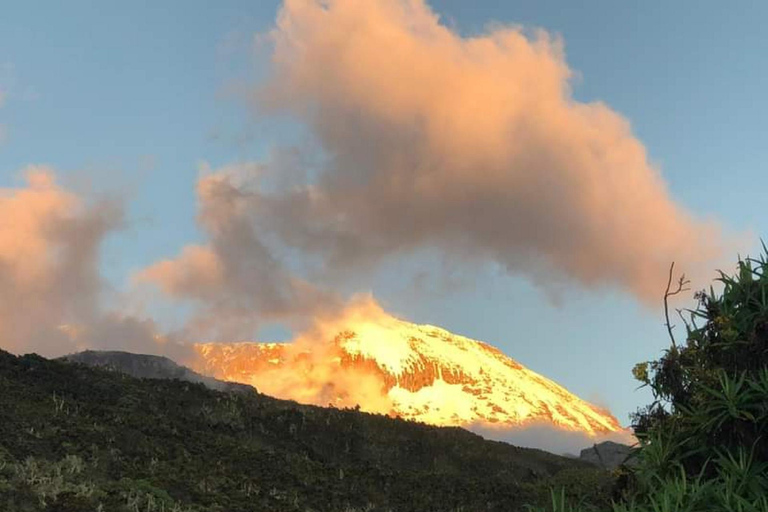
point(703, 443)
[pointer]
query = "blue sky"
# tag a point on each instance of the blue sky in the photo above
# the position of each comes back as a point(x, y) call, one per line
point(134, 96)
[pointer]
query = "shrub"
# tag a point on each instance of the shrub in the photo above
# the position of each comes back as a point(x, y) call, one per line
point(711, 395)
point(703, 439)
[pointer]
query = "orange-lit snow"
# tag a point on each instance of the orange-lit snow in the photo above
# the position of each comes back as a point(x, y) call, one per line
point(420, 372)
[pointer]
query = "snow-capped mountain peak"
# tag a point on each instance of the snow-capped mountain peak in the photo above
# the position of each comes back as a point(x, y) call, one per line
point(419, 372)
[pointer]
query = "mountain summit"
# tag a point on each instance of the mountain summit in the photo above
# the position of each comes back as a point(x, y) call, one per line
point(418, 372)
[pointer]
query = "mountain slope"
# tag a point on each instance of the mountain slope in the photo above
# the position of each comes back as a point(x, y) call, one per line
point(145, 366)
point(74, 437)
point(424, 372)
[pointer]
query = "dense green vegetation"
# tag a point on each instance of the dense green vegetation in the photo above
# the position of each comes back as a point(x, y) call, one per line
point(76, 438)
point(703, 443)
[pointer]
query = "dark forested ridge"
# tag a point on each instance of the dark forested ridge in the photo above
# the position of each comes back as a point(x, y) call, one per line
point(76, 438)
point(149, 367)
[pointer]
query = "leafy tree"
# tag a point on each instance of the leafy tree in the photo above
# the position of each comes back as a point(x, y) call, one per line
point(705, 432)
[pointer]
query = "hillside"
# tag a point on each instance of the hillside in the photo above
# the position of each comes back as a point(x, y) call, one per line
point(73, 438)
point(150, 367)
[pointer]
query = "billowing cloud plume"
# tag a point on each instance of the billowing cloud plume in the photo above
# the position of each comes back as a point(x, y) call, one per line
point(310, 369)
point(51, 293)
point(48, 242)
point(471, 144)
point(235, 279)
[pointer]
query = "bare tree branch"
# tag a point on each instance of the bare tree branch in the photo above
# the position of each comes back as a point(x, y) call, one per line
point(682, 284)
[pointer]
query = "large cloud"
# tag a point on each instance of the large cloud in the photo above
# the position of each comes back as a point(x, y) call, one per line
point(471, 144)
point(235, 280)
point(52, 297)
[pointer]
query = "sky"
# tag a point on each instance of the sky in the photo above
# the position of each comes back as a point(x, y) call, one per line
point(640, 127)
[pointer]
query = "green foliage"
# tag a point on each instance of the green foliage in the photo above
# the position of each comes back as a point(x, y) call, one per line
point(584, 488)
point(703, 443)
point(76, 439)
point(711, 395)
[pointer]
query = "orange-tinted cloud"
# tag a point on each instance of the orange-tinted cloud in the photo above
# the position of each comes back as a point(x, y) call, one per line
point(51, 292)
point(472, 144)
point(235, 279)
point(310, 370)
point(48, 249)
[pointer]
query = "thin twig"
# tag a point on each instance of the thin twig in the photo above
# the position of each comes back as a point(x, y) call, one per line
point(681, 287)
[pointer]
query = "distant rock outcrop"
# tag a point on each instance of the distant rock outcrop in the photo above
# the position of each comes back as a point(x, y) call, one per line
point(145, 366)
point(608, 454)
